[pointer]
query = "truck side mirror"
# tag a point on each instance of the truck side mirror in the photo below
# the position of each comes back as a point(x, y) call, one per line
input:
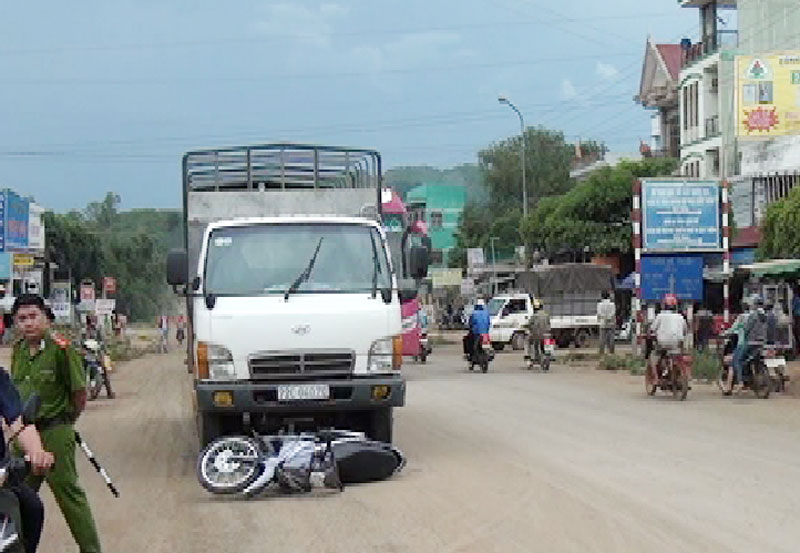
point(407, 290)
point(418, 262)
point(177, 268)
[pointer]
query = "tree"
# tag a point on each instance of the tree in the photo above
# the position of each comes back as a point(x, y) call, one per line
point(103, 214)
point(780, 232)
point(595, 214)
point(73, 246)
point(548, 160)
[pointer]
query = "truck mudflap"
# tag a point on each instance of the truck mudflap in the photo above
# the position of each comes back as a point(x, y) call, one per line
point(281, 397)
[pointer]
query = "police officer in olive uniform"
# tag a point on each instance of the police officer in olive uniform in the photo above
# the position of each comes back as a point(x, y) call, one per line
point(45, 364)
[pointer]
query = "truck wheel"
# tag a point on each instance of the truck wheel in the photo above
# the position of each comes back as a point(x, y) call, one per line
point(581, 337)
point(498, 346)
point(518, 341)
point(381, 425)
point(209, 428)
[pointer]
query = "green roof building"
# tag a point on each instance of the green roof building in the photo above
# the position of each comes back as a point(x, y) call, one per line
point(440, 206)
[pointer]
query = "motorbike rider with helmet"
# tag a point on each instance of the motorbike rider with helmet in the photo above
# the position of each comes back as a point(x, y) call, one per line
point(752, 336)
point(538, 326)
point(669, 327)
point(479, 324)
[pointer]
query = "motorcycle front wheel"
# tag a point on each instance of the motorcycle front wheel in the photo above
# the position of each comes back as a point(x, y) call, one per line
point(229, 464)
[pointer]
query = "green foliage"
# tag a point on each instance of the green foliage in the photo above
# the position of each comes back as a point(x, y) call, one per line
point(548, 160)
point(621, 362)
point(780, 236)
point(130, 246)
point(594, 213)
point(705, 365)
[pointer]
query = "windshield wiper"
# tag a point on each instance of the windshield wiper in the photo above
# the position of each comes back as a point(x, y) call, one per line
point(302, 277)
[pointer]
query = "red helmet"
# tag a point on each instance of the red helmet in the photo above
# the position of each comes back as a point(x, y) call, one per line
point(670, 300)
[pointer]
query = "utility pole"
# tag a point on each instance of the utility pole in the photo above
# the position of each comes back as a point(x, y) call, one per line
point(494, 266)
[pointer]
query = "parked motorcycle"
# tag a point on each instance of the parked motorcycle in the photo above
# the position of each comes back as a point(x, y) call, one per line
point(248, 465)
point(481, 354)
point(548, 348)
point(93, 365)
point(425, 348)
point(671, 372)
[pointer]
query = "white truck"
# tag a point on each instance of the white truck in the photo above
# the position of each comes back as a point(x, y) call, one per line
point(510, 315)
point(293, 303)
point(569, 292)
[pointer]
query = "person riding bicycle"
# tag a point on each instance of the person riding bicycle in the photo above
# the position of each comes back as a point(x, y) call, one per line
point(752, 337)
point(669, 327)
point(479, 323)
point(538, 326)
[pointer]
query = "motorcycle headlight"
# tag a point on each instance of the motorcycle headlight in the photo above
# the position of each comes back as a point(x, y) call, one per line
point(386, 354)
point(215, 362)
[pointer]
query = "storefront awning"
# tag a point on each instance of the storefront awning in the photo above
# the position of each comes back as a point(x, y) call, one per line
point(778, 268)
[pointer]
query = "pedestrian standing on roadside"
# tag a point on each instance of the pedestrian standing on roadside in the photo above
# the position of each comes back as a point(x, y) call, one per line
point(606, 316)
point(45, 364)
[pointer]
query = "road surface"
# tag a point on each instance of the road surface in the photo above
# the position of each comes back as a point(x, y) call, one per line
point(571, 461)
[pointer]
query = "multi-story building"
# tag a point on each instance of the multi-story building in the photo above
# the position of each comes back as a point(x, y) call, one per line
point(440, 206)
point(658, 91)
point(761, 167)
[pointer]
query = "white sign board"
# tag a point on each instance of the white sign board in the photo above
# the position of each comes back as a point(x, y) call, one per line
point(468, 287)
point(104, 307)
point(35, 227)
point(475, 257)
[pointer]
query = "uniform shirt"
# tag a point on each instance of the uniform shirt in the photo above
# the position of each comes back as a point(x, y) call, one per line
point(54, 371)
point(10, 405)
point(539, 323)
point(670, 329)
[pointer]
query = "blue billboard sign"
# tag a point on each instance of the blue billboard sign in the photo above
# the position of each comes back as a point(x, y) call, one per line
point(681, 275)
point(680, 215)
point(16, 221)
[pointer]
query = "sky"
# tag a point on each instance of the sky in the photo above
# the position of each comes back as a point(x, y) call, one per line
point(98, 96)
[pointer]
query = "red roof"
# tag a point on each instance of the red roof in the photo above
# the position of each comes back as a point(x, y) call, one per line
point(672, 55)
point(746, 237)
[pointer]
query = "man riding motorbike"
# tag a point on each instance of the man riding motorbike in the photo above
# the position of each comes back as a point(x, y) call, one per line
point(752, 335)
point(479, 324)
point(669, 327)
point(538, 326)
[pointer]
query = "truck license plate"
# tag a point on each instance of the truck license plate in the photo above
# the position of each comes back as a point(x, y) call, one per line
point(776, 362)
point(302, 392)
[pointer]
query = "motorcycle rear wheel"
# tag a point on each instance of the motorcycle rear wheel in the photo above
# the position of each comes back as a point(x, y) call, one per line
point(762, 382)
point(221, 475)
point(650, 382)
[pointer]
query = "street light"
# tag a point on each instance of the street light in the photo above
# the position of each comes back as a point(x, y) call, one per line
point(506, 101)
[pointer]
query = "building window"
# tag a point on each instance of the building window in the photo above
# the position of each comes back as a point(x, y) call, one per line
point(436, 219)
point(437, 257)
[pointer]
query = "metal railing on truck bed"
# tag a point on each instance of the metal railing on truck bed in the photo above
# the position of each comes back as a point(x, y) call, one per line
point(281, 167)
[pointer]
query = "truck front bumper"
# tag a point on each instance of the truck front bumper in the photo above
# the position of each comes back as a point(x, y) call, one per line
point(356, 394)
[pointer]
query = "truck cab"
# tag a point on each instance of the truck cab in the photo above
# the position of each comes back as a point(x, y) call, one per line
point(292, 297)
point(510, 315)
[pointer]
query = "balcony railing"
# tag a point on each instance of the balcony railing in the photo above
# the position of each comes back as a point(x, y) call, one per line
point(722, 40)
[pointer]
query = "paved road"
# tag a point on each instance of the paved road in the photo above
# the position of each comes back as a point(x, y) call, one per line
point(571, 461)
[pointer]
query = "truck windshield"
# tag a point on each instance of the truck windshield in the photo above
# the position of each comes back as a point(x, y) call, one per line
point(495, 305)
point(266, 259)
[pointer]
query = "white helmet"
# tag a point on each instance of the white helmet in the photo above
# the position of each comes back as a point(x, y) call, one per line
point(480, 303)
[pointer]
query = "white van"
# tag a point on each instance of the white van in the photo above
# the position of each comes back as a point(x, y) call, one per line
point(510, 315)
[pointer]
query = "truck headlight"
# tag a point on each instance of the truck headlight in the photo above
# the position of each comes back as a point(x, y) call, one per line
point(386, 354)
point(214, 362)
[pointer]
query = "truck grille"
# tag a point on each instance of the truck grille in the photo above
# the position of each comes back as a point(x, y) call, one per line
point(302, 365)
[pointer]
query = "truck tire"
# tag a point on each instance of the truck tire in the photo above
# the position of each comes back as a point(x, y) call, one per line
point(381, 422)
point(518, 341)
point(498, 346)
point(209, 428)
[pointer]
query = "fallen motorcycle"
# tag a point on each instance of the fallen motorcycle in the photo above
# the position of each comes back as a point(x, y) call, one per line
point(248, 465)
